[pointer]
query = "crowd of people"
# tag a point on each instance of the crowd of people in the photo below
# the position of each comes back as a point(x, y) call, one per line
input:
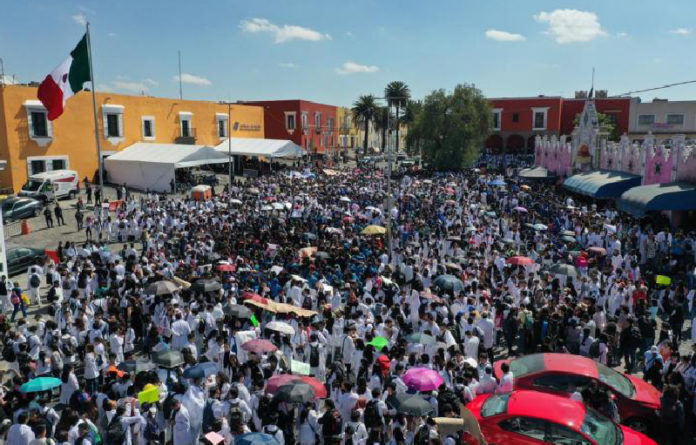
point(167, 276)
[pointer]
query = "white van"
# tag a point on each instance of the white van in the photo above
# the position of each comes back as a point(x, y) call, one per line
point(49, 185)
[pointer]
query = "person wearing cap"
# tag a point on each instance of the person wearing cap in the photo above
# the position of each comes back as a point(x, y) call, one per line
point(654, 364)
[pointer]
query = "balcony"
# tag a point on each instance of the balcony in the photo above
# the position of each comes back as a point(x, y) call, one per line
point(188, 137)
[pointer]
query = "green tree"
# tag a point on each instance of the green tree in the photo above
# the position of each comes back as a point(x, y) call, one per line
point(605, 123)
point(364, 110)
point(381, 123)
point(397, 94)
point(450, 128)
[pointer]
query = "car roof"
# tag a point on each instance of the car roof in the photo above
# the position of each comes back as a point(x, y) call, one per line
point(571, 364)
point(566, 411)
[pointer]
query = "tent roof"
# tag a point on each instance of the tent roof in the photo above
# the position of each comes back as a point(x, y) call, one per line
point(602, 184)
point(657, 197)
point(272, 148)
point(536, 172)
point(178, 155)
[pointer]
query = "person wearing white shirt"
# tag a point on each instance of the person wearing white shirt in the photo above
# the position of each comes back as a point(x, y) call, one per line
point(487, 383)
point(507, 381)
point(471, 345)
point(488, 328)
point(20, 433)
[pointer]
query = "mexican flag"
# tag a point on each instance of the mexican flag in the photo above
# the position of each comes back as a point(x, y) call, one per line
point(66, 80)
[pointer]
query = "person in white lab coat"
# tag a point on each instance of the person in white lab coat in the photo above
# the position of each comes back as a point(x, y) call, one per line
point(181, 425)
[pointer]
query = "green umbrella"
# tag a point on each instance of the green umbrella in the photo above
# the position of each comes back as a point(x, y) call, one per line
point(379, 342)
point(40, 384)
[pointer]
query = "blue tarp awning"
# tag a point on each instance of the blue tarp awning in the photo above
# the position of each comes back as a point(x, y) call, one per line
point(658, 197)
point(601, 184)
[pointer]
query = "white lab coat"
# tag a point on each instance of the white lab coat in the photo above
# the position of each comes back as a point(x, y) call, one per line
point(181, 430)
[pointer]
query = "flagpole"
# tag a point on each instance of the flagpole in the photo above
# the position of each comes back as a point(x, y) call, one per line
point(96, 121)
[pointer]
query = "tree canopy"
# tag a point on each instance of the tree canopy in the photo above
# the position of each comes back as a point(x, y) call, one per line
point(450, 128)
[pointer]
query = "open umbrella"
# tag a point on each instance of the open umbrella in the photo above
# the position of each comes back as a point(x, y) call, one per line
point(420, 338)
point(309, 236)
point(568, 233)
point(237, 311)
point(259, 346)
point(318, 387)
point(423, 379)
point(295, 392)
point(40, 384)
point(449, 283)
point(226, 267)
point(161, 288)
point(255, 439)
point(453, 266)
point(539, 227)
point(275, 382)
point(520, 209)
point(520, 261)
point(280, 326)
point(136, 366)
point(200, 370)
point(168, 359)
point(497, 182)
point(568, 239)
point(563, 269)
point(323, 255)
point(206, 285)
point(601, 251)
point(344, 199)
point(379, 342)
point(374, 230)
point(413, 405)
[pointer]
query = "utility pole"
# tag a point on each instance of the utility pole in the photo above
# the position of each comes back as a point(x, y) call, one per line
point(181, 93)
point(229, 146)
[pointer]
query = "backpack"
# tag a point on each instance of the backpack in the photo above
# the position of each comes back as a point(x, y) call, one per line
point(8, 353)
point(208, 417)
point(236, 416)
point(67, 348)
point(35, 281)
point(331, 422)
point(594, 349)
point(313, 356)
point(371, 415)
point(151, 432)
point(114, 432)
point(422, 436)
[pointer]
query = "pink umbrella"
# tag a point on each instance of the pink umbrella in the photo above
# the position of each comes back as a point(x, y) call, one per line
point(259, 346)
point(520, 261)
point(520, 209)
point(423, 379)
point(277, 381)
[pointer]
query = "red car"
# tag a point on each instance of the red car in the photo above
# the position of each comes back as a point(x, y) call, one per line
point(532, 418)
point(562, 374)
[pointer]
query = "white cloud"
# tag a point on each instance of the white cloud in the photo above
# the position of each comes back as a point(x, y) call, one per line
point(349, 34)
point(288, 65)
point(151, 82)
point(571, 25)
point(195, 80)
point(353, 68)
point(622, 35)
point(136, 87)
point(681, 31)
point(504, 36)
point(282, 33)
point(80, 19)
point(112, 34)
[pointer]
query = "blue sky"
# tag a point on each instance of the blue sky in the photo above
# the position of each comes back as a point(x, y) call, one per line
point(332, 52)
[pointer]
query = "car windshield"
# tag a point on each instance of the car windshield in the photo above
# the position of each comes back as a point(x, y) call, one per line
point(617, 381)
point(7, 204)
point(496, 404)
point(32, 186)
point(601, 429)
point(527, 365)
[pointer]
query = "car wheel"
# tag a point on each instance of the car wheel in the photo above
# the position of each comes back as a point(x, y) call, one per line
point(639, 424)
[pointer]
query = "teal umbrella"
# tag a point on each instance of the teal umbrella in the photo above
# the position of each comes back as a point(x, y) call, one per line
point(379, 342)
point(40, 384)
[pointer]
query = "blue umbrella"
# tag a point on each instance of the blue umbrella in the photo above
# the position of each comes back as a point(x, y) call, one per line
point(449, 282)
point(497, 182)
point(40, 384)
point(255, 439)
point(201, 370)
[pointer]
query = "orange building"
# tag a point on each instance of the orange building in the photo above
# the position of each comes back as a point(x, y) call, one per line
point(30, 143)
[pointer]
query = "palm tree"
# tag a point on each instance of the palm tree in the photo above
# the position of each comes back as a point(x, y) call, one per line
point(397, 94)
point(364, 110)
point(381, 121)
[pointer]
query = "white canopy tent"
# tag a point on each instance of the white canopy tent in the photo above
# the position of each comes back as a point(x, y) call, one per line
point(147, 166)
point(270, 148)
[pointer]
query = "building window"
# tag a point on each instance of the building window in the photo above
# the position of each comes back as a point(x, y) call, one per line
point(515, 117)
point(148, 128)
point(675, 119)
point(612, 119)
point(222, 124)
point(40, 128)
point(539, 118)
point(37, 166)
point(185, 124)
point(290, 122)
point(305, 121)
point(330, 125)
point(40, 164)
point(317, 121)
point(185, 128)
point(646, 119)
point(113, 123)
point(495, 122)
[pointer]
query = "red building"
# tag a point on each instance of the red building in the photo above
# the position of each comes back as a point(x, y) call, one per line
point(517, 121)
point(312, 126)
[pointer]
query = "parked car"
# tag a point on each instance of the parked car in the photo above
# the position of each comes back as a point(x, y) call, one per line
point(20, 258)
point(562, 374)
point(16, 207)
point(531, 418)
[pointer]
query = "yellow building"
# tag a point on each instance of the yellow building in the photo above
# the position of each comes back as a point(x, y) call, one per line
point(348, 132)
point(31, 144)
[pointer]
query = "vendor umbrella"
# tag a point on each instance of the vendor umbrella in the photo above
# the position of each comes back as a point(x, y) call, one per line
point(423, 379)
point(200, 370)
point(280, 326)
point(420, 338)
point(295, 392)
point(168, 359)
point(161, 288)
point(563, 269)
point(255, 439)
point(413, 405)
point(374, 230)
point(206, 285)
point(40, 384)
point(237, 311)
point(520, 261)
point(379, 342)
point(259, 346)
point(449, 283)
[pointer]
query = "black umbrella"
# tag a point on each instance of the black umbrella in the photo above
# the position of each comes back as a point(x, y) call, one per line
point(295, 392)
point(136, 366)
point(161, 288)
point(168, 359)
point(413, 405)
point(237, 311)
point(449, 282)
point(206, 285)
point(563, 269)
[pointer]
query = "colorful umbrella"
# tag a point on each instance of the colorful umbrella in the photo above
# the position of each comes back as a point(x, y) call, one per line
point(275, 382)
point(520, 209)
point(259, 346)
point(601, 251)
point(295, 392)
point(226, 267)
point(374, 230)
point(379, 342)
point(319, 388)
point(423, 379)
point(40, 384)
point(520, 261)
